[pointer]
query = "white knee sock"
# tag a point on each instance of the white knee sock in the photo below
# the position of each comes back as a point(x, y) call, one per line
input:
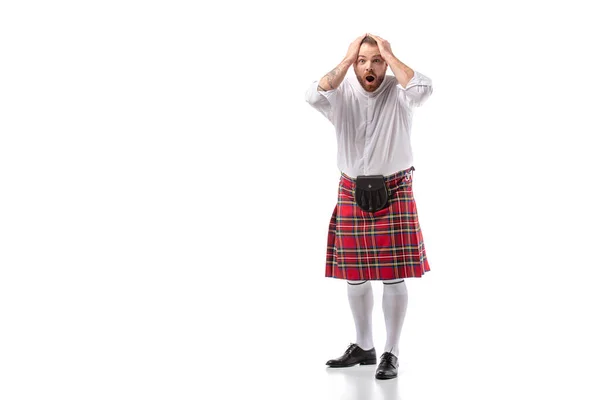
point(360, 297)
point(395, 299)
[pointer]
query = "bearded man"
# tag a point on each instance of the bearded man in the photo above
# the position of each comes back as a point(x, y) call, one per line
point(374, 232)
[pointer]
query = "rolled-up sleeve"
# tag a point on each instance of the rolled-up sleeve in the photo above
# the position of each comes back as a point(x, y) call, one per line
point(324, 102)
point(417, 91)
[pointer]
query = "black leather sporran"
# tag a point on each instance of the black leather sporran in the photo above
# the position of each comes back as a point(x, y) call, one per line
point(370, 192)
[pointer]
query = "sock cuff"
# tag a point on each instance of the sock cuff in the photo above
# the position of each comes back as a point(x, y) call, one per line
point(354, 283)
point(395, 289)
point(393, 281)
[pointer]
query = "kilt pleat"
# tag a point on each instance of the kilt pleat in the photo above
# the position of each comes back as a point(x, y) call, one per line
point(387, 244)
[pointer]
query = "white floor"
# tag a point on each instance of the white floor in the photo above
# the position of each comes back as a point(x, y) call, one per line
point(160, 336)
point(456, 346)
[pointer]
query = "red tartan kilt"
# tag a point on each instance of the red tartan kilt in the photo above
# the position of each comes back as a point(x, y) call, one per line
point(387, 244)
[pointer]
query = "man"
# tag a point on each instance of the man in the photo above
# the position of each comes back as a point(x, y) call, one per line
point(374, 232)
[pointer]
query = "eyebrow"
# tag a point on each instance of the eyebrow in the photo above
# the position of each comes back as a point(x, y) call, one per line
point(375, 56)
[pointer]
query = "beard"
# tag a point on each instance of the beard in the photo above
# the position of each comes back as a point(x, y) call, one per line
point(373, 85)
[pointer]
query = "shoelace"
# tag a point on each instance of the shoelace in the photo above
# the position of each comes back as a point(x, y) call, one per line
point(350, 348)
point(387, 357)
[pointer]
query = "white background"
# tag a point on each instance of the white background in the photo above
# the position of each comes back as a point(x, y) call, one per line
point(165, 194)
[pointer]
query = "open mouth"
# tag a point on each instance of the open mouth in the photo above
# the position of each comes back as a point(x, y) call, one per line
point(370, 78)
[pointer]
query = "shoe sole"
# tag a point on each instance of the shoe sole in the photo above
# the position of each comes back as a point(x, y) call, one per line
point(368, 362)
point(385, 377)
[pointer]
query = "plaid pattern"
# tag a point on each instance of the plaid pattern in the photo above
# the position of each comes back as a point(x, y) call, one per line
point(387, 244)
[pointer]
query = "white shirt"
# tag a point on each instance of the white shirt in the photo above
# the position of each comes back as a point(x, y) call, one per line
point(373, 129)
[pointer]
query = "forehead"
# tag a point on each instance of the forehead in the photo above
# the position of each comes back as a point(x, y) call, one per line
point(368, 50)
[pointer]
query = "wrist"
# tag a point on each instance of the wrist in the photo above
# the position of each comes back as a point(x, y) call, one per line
point(346, 63)
point(391, 59)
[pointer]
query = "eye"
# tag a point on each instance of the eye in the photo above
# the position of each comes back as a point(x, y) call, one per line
point(361, 61)
point(376, 60)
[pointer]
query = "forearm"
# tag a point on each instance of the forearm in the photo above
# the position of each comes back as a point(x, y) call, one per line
point(335, 77)
point(402, 72)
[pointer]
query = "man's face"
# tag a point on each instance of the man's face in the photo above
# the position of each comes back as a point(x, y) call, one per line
point(369, 67)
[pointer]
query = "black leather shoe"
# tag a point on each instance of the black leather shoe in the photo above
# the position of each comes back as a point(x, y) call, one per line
point(388, 366)
point(354, 355)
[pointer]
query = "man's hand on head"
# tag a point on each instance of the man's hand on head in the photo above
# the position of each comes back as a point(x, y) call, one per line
point(384, 48)
point(334, 78)
point(402, 72)
point(353, 50)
